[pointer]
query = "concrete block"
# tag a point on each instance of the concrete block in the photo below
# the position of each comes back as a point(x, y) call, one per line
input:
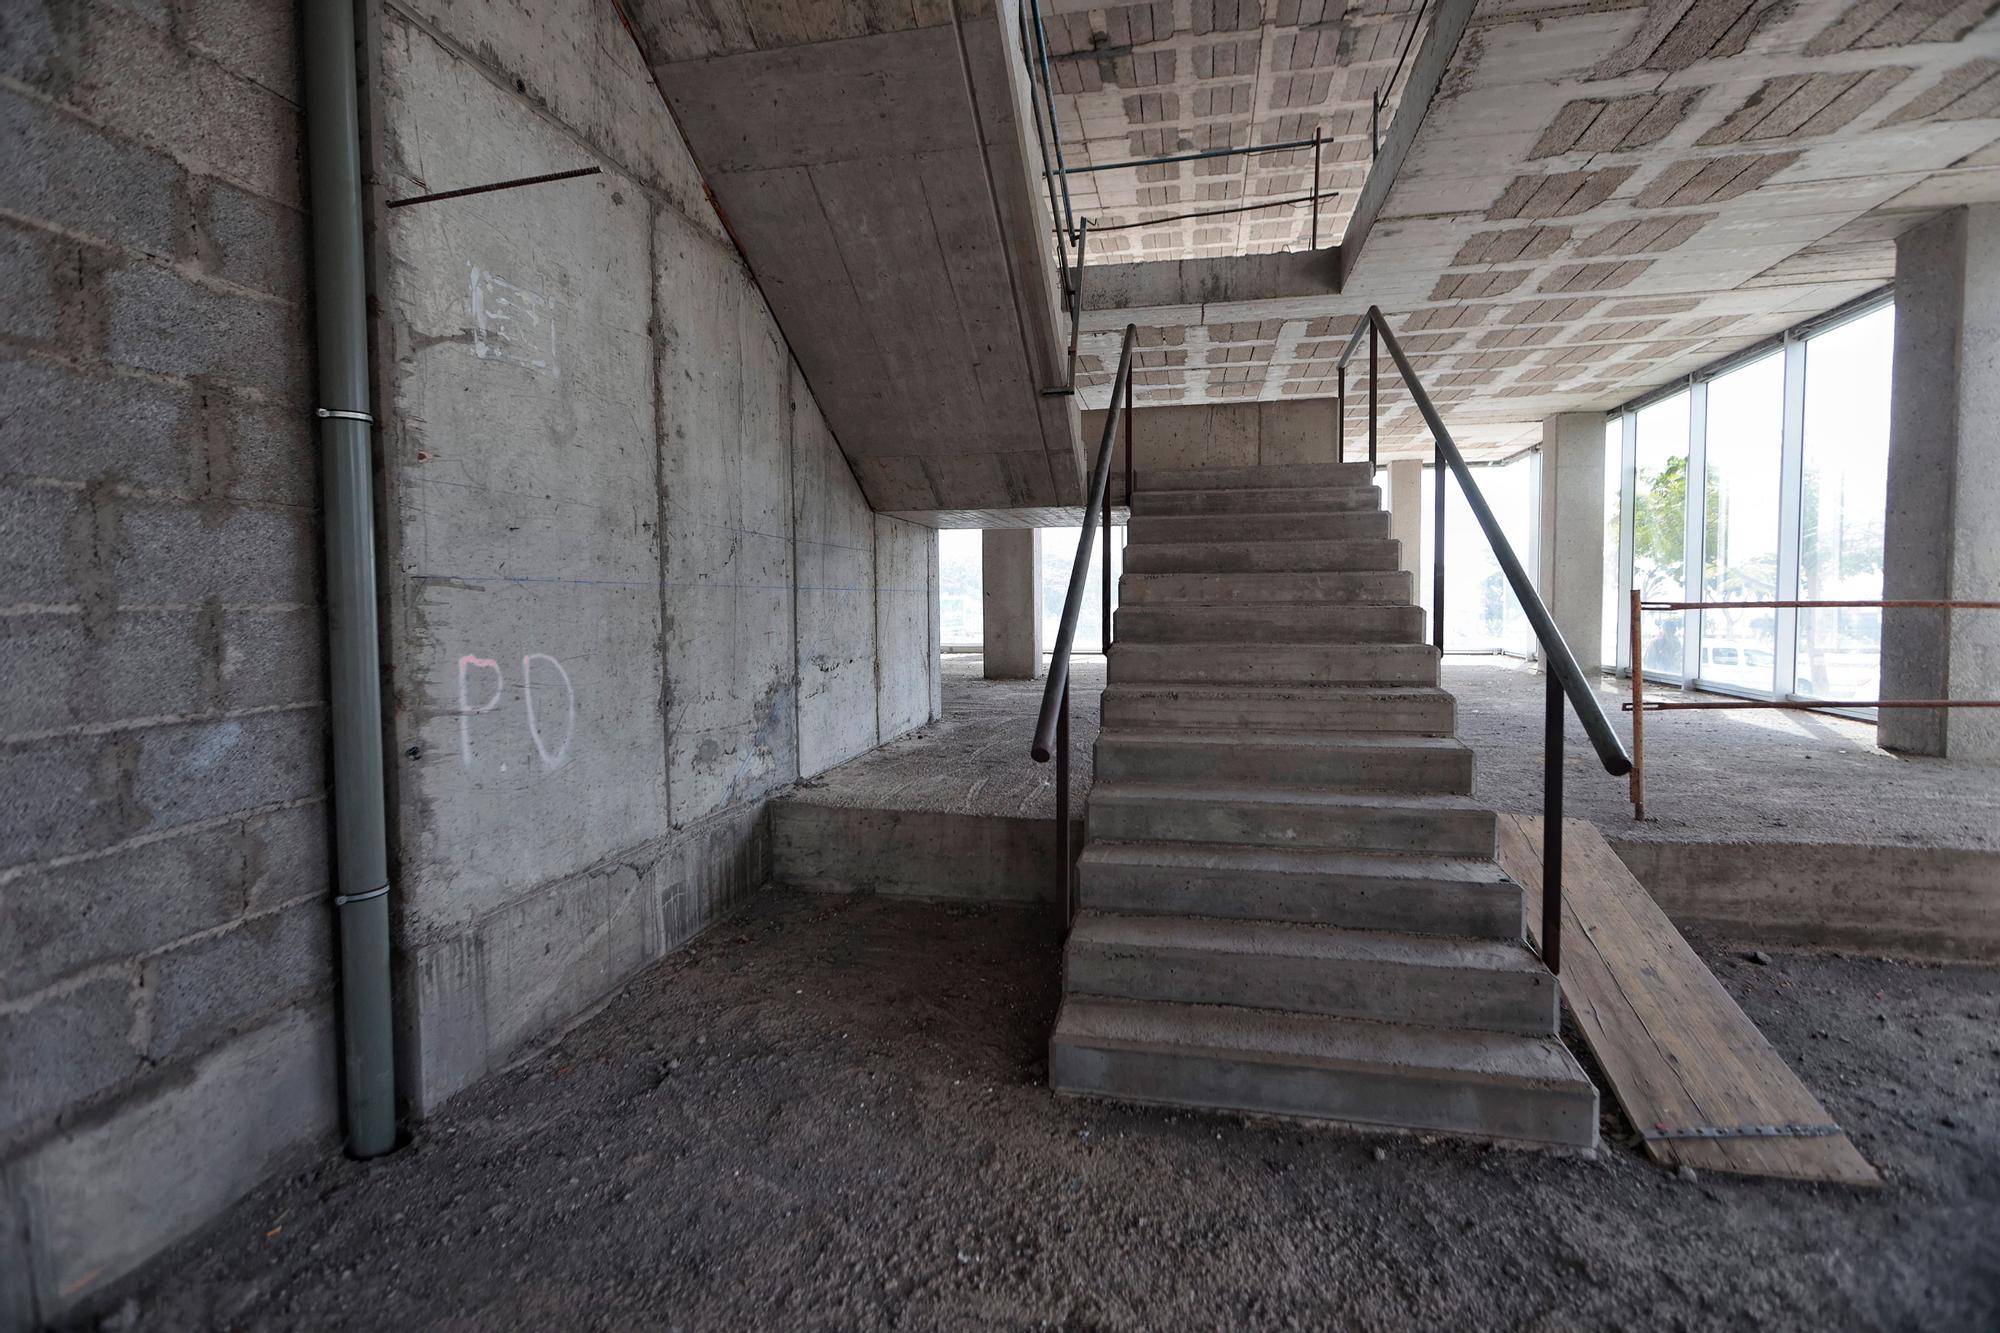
point(203, 991)
point(248, 37)
point(904, 553)
point(835, 536)
point(252, 241)
point(72, 174)
point(272, 454)
point(254, 555)
point(105, 1197)
point(158, 319)
point(68, 424)
point(66, 672)
point(63, 1051)
point(38, 287)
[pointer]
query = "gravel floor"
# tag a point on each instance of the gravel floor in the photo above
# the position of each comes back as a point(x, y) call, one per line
point(830, 1112)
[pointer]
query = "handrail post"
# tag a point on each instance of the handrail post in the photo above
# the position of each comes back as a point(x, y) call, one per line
point(1128, 448)
point(1374, 377)
point(1076, 302)
point(1437, 546)
point(1062, 808)
point(1315, 189)
point(1340, 414)
point(1104, 541)
point(1638, 778)
point(1552, 823)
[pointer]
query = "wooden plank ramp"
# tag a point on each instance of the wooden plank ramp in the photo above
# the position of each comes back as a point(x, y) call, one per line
point(1682, 1058)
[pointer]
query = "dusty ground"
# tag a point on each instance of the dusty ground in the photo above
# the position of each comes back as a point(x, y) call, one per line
point(830, 1113)
point(1711, 777)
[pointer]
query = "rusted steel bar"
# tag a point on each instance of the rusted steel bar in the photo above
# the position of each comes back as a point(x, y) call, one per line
point(1895, 604)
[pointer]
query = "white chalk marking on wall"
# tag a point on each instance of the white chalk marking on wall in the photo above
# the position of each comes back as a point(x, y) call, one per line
point(465, 708)
point(528, 693)
point(511, 323)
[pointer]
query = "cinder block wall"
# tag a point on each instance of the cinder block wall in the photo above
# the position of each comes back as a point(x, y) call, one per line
point(631, 587)
point(166, 1023)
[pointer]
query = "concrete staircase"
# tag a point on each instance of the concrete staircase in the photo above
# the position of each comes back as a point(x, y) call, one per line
point(1289, 904)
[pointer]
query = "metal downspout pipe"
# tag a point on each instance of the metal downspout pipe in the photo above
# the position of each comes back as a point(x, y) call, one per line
point(361, 855)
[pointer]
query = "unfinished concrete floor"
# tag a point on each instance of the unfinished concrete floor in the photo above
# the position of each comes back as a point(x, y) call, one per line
point(1713, 777)
point(830, 1112)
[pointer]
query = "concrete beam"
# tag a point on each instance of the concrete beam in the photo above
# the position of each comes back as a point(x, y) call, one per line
point(1941, 534)
point(1570, 576)
point(1010, 562)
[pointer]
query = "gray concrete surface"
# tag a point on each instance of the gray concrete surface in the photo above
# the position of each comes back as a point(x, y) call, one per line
point(1941, 541)
point(834, 1111)
point(1405, 496)
point(1010, 603)
point(1570, 573)
point(635, 587)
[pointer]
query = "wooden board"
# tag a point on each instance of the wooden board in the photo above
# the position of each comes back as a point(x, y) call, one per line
point(1678, 1051)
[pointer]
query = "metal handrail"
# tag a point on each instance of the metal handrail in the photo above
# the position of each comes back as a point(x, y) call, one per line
point(1564, 676)
point(1052, 725)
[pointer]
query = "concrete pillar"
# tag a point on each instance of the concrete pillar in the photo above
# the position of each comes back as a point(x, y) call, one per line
point(1570, 573)
point(1010, 576)
point(1406, 516)
point(1941, 535)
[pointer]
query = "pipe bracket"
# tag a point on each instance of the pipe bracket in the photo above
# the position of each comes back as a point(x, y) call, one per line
point(343, 415)
point(343, 899)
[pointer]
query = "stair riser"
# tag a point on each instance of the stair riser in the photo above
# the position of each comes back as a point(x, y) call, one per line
point(1556, 1117)
point(1441, 772)
point(1261, 557)
point(1153, 530)
point(1302, 500)
point(1164, 710)
point(1420, 907)
point(1229, 664)
point(1295, 590)
point(1274, 624)
point(1269, 824)
point(1523, 1003)
point(1288, 476)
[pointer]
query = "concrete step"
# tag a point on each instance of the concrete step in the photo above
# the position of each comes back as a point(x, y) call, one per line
point(1270, 816)
point(1203, 622)
point(1487, 985)
point(1252, 557)
point(1390, 710)
point(1469, 897)
point(1273, 664)
point(1345, 526)
point(1278, 477)
point(1289, 500)
point(1487, 1085)
point(1305, 759)
point(1392, 586)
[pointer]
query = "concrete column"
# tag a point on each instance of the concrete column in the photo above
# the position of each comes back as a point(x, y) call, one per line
point(1010, 575)
point(1570, 573)
point(1406, 516)
point(1941, 535)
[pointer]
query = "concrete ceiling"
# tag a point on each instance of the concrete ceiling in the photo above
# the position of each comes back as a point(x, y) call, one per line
point(1602, 198)
point(1180, 76)
point(869, 160)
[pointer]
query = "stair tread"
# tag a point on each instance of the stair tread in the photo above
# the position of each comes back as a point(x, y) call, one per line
point(1297, 861)
point(1286, 1037)
point(1294, 939)
point(1279, 794)
point(1278, 693)
point(1317, 740)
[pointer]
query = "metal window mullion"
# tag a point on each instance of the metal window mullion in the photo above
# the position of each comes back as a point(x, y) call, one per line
point(1628, 503)
point(1791, 492)
point(1536, 460)
point(1694, 544)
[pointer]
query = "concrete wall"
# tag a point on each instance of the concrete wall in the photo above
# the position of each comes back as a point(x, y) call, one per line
point(1225, 435)
point(631, 587)
point(166, 1026)
point(635, 588)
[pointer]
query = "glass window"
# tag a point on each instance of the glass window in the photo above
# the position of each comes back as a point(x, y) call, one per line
point(1659, 528)
point(1058, 558)
point(960, 596)
point(1615, 588)
point(1842, 503)
point(1481, 614)
point(1745, 436)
